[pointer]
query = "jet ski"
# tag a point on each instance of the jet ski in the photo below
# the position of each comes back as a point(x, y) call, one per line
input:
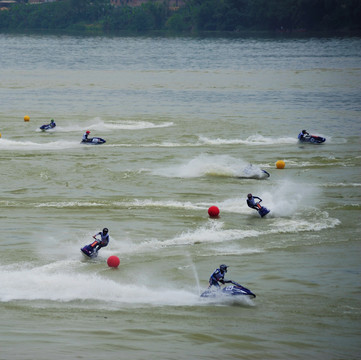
point(90, 250)
point(93, 141)
point(253, 172)
point(231, 290)
point(313, 139)
point(262, 211)
point(267, 173)
point(47, 127)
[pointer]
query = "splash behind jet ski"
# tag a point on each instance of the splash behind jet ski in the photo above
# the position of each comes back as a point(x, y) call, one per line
point(253, 172)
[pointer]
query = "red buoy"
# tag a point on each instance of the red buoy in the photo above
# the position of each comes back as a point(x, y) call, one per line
point(213, 211)
point(113, 261)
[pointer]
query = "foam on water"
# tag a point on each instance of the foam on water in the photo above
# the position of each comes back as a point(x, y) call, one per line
point(294, 208)
point(213, 232)
point(97, 124)
point(65, 280)
point(144, 203)
point(318, 222)
point(216, 165)
point(58, 281)
point(341, 185)
point(171, 204)
point(136, 125)
point(251, 140)
point(72, 281)
point(70, 204)
point(6, 144)
point(288, 197)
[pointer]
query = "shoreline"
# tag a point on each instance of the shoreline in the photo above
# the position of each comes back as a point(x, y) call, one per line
point(92, 31)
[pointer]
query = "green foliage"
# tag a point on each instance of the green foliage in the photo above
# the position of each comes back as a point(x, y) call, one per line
point(147, 17)
point(195, 15)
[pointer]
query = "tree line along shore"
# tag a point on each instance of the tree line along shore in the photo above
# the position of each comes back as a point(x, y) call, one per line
point(235, 16)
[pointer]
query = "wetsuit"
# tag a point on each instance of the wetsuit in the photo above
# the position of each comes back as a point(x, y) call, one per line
point(252, 203)
point(104, 241)
point(301, 135)
point(217, 276)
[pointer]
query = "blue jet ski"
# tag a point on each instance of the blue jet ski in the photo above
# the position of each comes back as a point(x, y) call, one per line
point(231, 290)
point(90, 250)
point(48, 126)
point(93, 141)
point(313, 139)
point(262, 211)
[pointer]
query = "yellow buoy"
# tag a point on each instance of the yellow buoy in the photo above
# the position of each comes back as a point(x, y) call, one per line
point(26, 118)
point(280, 164)
point(0, 135)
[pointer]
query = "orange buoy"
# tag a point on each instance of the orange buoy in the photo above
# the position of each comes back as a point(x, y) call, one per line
point(280, 164)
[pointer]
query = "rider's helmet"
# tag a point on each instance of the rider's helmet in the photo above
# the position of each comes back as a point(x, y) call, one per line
point(249, 196)
point(52, 120)
point(105, 231)
point(223, 268)
point(87, 132)
point(304, 131)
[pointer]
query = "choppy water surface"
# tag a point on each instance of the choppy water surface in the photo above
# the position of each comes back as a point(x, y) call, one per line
point(189, 123)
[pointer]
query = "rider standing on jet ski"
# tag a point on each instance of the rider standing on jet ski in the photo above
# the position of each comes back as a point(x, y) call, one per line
point(218, 276)
point(302, 134)
point(251, 202)
point(104, 239)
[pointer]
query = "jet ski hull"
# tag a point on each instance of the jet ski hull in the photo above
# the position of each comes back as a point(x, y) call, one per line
point(230, 290)
point(313, 139)
point(46, 127)
point(262, 211)
point(94, 141)
point(90, 250)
